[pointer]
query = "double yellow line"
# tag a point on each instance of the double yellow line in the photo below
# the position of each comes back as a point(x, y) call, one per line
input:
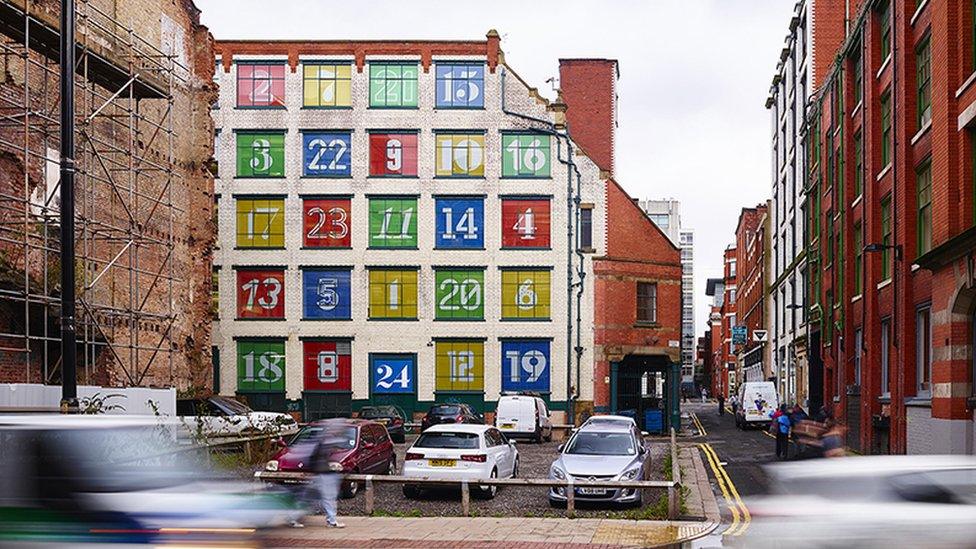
point(698, 424)
point(740, 513)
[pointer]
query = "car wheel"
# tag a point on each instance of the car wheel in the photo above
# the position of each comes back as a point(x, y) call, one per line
point(557, 504)
point(391, 468)
point(410, 491)
point(489, 492)
point(350, 489)
point(515, 469)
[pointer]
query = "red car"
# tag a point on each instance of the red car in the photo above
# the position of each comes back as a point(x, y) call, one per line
point(368, 450)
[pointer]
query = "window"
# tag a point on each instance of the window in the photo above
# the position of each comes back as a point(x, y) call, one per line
point(885, 20)
point(326, 294)
point(392, 374)
point(260, 154)
point(525, 365)
point(858, 351)
point(732, 296)
point(327, 365)
point(923, 186)
point(858, 165)
point(460, 85)
point(858, 75)
point(392, 294)
point(393, 85)
point(526, 294)
point(460, 222)
point(885, 356)
point(646, 302)
point(923, 351)
point(459, 365)
point(392, 154)
point(886, 129)
point(215, 293)
point(886, 237)
point(458, 294)
point(923, 81)
point(261, 365)
point(327, 85)
point(586, 228)
point(327, 222)
point(260, 293)
point(858, 258)
point(525, 155)
point(525, 223)
point(261, 222)
point(459, 155)
point(393, 222)
point(663, 221)
point(261, 85)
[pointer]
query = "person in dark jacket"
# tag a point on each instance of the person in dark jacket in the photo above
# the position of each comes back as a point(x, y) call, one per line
point(721, 404)
point(782, 427)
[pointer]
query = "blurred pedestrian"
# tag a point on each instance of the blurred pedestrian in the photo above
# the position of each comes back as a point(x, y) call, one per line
point(781, 422)
point(734, 402)
point(328, 477)
point(704, 394)
point(721, 404)
point(833, 440)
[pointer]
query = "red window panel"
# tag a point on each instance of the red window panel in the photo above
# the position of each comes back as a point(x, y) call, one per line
point(327, 365)
point(327, 222)
point(260, 293)
point(261, 85)
point(393, 154)
point(525, 223)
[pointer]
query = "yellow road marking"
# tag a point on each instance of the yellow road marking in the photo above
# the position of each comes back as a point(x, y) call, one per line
point(721, 484)
point(698, 424)
point(720, 471)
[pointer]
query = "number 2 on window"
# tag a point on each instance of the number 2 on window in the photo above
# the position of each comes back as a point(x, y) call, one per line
point(337, 216)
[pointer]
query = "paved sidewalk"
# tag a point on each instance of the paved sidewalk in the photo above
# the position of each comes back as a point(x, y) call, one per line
point(493, 533)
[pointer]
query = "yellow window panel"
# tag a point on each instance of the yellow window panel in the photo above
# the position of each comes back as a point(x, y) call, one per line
point(343, 93)
point(260, 223)
point(392, 294)
point(526, 294)
point(459, 366)
point(444, 155)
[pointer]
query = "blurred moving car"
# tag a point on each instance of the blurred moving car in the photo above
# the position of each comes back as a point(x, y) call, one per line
point(218, 416)
point(523, 416)
point(69, 480)
point(458, 452)
point(390, 417)
point(601, 451)
point(871, 501)
point(450, 413)
point(368, 450)
point(757, 402)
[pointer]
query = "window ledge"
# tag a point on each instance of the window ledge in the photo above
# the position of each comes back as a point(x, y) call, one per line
point(884, 283)
point(918, 11)
point(858, 200)
point(885, 398)
point(645, 324)
point(884, 66)
point(587, 250)
point(923, 401)
point(965, 85)
point(857, 108)
point(857, 298)
point(884, 171)
point(915, 267)
point(922, 131)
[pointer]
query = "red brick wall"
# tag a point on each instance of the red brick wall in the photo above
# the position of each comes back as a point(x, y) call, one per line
point(750, 272)
point(589, 88)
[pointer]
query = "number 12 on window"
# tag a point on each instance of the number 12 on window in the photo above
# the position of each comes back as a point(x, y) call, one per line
point(460, 222)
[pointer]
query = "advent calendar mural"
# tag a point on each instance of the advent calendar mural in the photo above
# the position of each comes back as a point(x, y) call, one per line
point(460, 222)
point(327, 154)
point(260, 293)
point(261, 365)
point(392, 154)
point(525, 365)
point(393, 222)
point(326, 294)
point(327, 222)
point(459, 365)
point(393, 374)
point(525, 223)
point(459, 294)
point(459, 154)
point(460, 86)
point(260, 154)
point(327, 364)
point(261, 85)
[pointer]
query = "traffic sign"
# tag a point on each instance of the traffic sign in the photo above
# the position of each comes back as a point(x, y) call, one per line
point(761, 336)
point(739, 334)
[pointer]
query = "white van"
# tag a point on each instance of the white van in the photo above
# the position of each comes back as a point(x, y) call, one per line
point(757, 402)
point(523, 416)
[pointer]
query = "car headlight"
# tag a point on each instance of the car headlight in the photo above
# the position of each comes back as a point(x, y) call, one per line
point(630, 475)
point(271, 465)
point(557, 473)
point(335, 466)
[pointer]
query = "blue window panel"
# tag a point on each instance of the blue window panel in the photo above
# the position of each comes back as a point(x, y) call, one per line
point(460, 223)
point(460, 86)
point(327, 154)
point(393, 374)
point(326, 294)
point(525, 365)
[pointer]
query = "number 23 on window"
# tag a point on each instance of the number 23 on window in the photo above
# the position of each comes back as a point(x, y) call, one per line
point(260, 293)
point(327, 222)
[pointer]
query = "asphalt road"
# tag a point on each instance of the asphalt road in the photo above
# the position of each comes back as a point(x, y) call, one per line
point(744, 452)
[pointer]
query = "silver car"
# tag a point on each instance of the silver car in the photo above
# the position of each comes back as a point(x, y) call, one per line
point(601, 452)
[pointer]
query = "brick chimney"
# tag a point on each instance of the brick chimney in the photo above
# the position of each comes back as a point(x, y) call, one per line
point(589, 89)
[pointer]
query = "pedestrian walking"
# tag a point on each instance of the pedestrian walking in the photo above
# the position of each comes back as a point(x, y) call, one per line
point(721, 404)
point(781, 425)
point(734, 402)
point(704, 394)
point(327, 479)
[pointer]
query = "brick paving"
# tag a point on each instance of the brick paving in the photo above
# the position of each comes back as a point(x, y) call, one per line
point(488, 533)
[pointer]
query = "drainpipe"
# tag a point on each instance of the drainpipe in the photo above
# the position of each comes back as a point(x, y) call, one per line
point(69, 383)
point(550, 129)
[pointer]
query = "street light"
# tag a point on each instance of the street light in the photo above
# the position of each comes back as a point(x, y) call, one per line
point(878, 247)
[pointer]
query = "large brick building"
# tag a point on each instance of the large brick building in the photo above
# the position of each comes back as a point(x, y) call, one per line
point(891, 230)
point(144, 195)
point(721, 320)
point(751, 243)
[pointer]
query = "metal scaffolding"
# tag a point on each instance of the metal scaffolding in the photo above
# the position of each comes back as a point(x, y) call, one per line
point(125, 209)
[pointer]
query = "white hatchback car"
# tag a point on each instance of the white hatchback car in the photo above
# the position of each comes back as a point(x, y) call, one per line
point(459, 452)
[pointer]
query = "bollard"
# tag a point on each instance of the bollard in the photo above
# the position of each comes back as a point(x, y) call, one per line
point(369, 495)
point(465, 499)
point(673, 502)
point(570, 498)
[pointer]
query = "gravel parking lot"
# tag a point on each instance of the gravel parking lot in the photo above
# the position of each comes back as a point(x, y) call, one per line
point(534, 462)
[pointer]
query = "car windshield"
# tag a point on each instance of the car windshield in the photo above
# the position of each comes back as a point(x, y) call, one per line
point(601, 444)
point(445, 410)
point(605, 421)
point(231, 405)
point(377, 411)
point(459, 441)
point(307, 434)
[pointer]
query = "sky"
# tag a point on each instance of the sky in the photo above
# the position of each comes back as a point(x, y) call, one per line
point(694, 77)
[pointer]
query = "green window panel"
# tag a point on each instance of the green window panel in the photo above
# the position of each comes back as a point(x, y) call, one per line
point(393, 85)
point(261, 154)
point(459, 294)
point(393, 222)
point(525, 155)
point(260, 365)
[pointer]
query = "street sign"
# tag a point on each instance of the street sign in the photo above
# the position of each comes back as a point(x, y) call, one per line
point(739, 334)
point(760, 335)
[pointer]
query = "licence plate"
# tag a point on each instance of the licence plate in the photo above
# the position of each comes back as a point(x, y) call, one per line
point(383, 421)
point(593, 491)
point(442, 462)
point(508, 425)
